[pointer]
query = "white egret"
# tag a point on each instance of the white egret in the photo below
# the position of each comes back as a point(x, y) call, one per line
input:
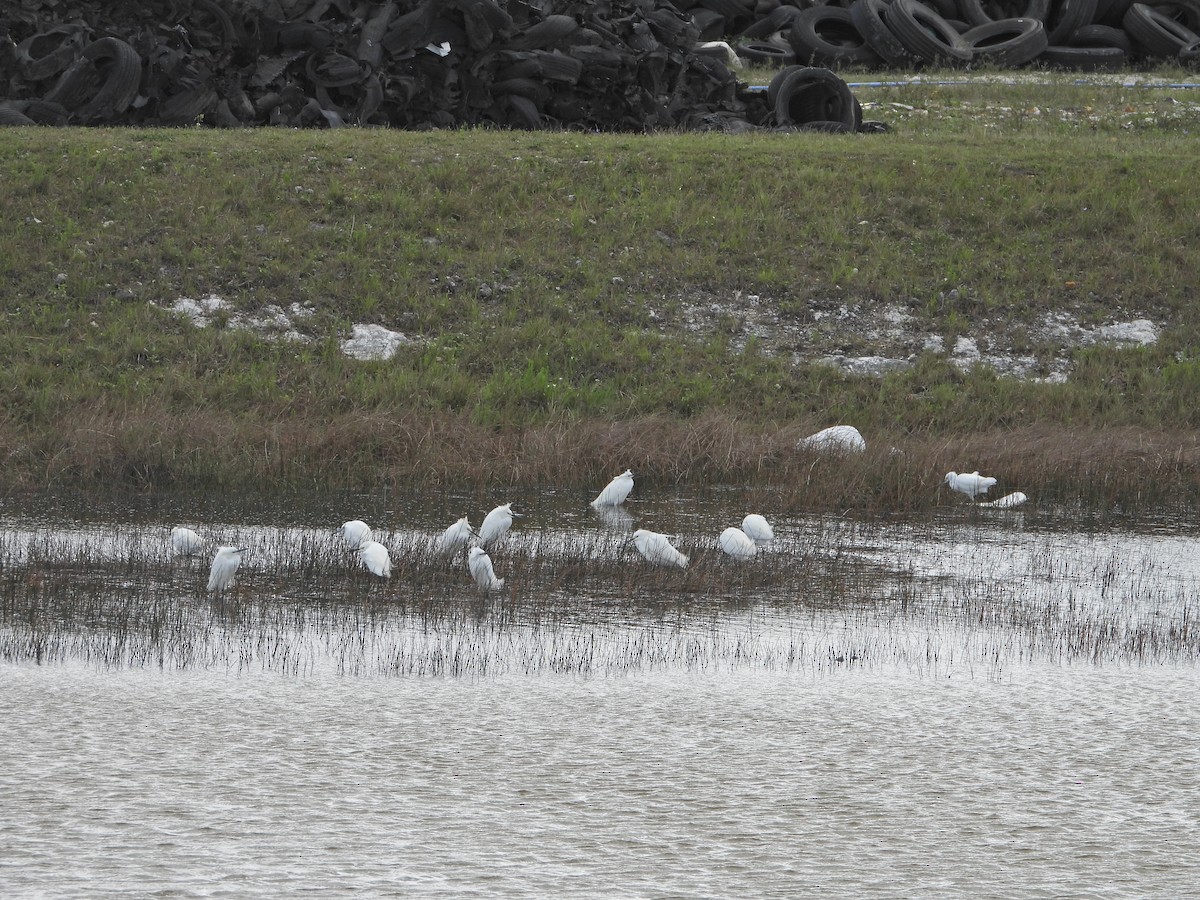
point(656, 548)
point(185, 542)
point(375, 559)
point(616, 491)
point(970, 483)
point(737, 543)
point(1008, 501)
point(455, 537)
point(495, 525)
point(224, 567)
point(355, 533)
point(480, 566)
point(835, 439)
point(758, 529)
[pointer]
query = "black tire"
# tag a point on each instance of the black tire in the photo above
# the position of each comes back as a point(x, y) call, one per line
point(1101, 36)
point(828, 36)
point(185, 107)
point(779, 19)
point(1068, 16)
point(1155, 33)
point(980, 12)
point(1084, 59)
point(765, 53)
point(12, 116)
point(870, 17)
point(709, 22)
point(826, 126)
point(1007, 42)
point(47, 53)
point(1189, 56)
point(926, 34)
point(811, 94)
point(109, 63)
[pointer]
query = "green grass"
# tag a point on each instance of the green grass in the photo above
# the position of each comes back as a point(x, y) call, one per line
point(552, 281)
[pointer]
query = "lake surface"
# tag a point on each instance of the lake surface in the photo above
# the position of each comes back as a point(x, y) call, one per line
point(990, 705)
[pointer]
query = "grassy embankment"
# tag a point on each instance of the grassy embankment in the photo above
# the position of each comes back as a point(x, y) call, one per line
point(550, 283)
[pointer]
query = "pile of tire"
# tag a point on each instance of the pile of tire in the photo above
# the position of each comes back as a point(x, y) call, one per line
point(612, 65)
point(1092, 35)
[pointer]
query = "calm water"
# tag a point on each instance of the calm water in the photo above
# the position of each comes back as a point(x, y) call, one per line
point(970, 706)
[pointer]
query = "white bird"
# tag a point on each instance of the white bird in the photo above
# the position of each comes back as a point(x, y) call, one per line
point(656, 548)
point(970, 483)
point(495, 525)
point(480, 566)
point(355, 533)
point(375, 559)
point(758, 529)
point(224, 567)
point(615, 491)
point(455, 537)
point(737, 543)
point(1008, 501)
point(185, 542)
point(835, 439)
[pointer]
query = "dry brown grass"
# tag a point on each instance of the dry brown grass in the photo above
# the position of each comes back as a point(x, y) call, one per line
point(1130, 468)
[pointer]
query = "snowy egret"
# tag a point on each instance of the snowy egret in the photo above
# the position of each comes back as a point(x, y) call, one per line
point(1008, 501)
point(480, 566)
point(758, 529)
point(616, 491)
point(836, 439)
point(355, 533)
point(455, 537)
point(656, 548)
point(224, 567)
point(495, 525)
point(375, 559)
point(737, 543)
point(185, 542)
point(970, 483)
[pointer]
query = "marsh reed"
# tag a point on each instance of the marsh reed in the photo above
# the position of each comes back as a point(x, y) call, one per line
point(840, 594)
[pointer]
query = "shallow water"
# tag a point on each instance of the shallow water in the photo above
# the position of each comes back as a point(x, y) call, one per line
point(987, 705)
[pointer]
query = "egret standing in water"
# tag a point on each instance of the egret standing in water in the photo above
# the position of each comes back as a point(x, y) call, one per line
point(736, 543)
point(657, 548)
point(970, 483)
point(355, 533)
point(224, 568)
point(495, 525)
point(455, 537)
point(375, 559)
point(615, 491)
point(758, 529)
point(480, 566)
point(185, 542)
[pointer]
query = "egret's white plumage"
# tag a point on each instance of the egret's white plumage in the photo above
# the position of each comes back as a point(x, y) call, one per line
point(970, 483)
point(616, 491)
point(836, 439)
point(1008, 501)
point(657, 548)
point(736, 543)
point(355, 533)
point(376, 559)
point(224, 567)
point(480, 566)
point(185, 542)
point(455, 537)
point(758, 529)
point(495, 525)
